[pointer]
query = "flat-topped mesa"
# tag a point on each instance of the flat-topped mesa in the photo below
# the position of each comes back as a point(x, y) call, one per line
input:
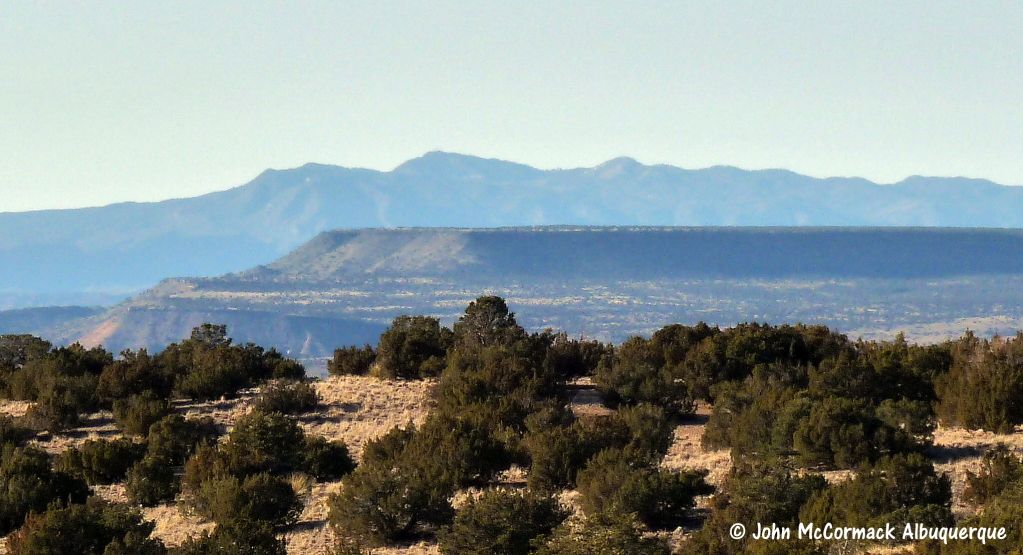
point(601, 253)
point(129, 246)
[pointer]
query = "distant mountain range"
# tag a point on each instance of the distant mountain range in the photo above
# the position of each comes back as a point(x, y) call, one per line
point(343, 287)
point(128, 246)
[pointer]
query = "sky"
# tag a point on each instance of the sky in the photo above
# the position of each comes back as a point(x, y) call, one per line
point(110, 101)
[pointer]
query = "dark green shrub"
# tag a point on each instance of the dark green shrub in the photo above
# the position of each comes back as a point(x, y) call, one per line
point(22, 384)
point(636, 374)
point(648, 426)
point(93, 528)
point(236, 537)
point(573, 358)
point(501, 522)
point(413, 347)
point(461, 453)
point(207, 366)
point(17, 349)
point(380, 503)
point(554, 414)
point(557, 452)
point(845, 433)
point(625, 482)
point(984, 387)
point(65, 376)
point(76, 360)
point(257, 498)
point(171, 441)
point(485, 323)
point(898, 490)
point(59, 399)
point(675, 341)
point(52, 414)
point(207, 463)
point(767, 416)
point(173, 438)
point(401, 489)
point(603, 534)
point(211, 382)
point(701, 356)
point(326, 460)
point(749, 345)
point(151, 482)
point(757, 416)
point(281, 367)
point(135, 373)
point(351, 361)
point(287, 398)
point(556, 455)
point(259, 443)
point(262, 442)
point(879, 370)
point(1000, 469)
point(62, 381)
point(497, 386)
point(100, 461)
point(752, 493)
point(28, 484)
point(11, 432)
point(388, 447)
point(137, 413)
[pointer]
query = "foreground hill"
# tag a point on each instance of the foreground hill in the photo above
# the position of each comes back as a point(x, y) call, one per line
point(128, 246)
point(355, 409)
point(344, 287)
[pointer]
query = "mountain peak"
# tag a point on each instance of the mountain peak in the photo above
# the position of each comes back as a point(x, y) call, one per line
point(622, 165)
point(621, 161)
point(439, 163)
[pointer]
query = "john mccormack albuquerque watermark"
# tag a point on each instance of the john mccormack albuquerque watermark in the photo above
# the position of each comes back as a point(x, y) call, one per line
point(887, 532)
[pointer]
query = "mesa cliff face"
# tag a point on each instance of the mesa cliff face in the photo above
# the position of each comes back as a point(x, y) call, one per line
point(343, 287)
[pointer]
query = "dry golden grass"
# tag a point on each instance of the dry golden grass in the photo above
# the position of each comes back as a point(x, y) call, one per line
point(14, 408)
point(174, 526)
point(958, 451)
point(686, 451)
point(99, 425)
point(586, 400)
point(358, 408)
point(224, 412)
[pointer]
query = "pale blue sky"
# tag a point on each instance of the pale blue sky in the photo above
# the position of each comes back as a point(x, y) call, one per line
point(102, 101)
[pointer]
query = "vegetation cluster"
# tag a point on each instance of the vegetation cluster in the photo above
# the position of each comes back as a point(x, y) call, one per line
point(788, 401)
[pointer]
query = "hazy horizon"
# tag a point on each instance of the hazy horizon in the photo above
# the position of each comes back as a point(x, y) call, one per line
point(105, 102)
point(229, 186)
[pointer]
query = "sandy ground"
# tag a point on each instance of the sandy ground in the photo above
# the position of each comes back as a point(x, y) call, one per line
point(356, 409)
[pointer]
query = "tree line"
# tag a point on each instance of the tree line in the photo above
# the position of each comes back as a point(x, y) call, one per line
point(788, 401)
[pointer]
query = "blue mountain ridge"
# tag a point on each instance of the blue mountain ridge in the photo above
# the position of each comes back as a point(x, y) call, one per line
point(128, 246)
